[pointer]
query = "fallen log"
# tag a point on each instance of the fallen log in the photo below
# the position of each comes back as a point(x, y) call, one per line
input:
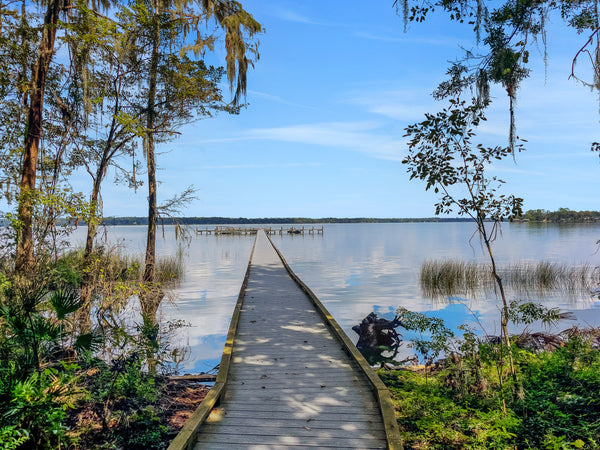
point(208, 377)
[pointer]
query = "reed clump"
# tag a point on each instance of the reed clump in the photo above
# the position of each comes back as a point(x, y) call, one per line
point(440, 278)
point(112, 264)
point(547, 276)
point(170, 269)
point(452, 277)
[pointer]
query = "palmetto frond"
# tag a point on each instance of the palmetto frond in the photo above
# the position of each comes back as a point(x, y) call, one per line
point(65, 302)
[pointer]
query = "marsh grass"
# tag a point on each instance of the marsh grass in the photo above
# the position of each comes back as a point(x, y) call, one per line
point(451, 277)
point(546, 276)
point(170, 269)
point(443, 278)
point(115, 265)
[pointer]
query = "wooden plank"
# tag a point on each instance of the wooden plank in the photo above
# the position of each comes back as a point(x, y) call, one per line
point(291, 377)
point(264, 362)
point(217, 446)
point(253, 361)
point(318, 423)
point(322, 396)
point(330, 355)
point(287, 383)
point(289, 331)
point(298, 410)
point(343, 416)
point(205, 439)
point(282, 343)
point(271, 373)
point(345, 392)
point(264, 402)
point(291, 401)
point(303, 431)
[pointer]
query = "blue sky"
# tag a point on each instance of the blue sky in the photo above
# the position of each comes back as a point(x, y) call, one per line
point(322, 136)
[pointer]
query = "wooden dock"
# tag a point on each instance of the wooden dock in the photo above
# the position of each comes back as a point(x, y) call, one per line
point(289, 376)
point(250, 231)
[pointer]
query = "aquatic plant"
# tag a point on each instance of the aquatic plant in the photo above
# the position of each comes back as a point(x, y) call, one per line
point(170, 269)
point(443, 278)
point(450, 277)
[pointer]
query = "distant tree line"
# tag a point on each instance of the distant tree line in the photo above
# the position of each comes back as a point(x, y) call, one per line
point(269, 220)
point(561, 215)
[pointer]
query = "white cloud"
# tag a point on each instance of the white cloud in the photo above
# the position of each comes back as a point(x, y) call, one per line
point(404, 105)
point(293, 16)
point(275, 98)
point(516, 170)
point(262, 166)
point(364, 137)
point(441, 41)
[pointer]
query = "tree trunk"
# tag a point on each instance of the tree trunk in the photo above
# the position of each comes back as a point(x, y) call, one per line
point(151, 296)
point(84, 320)
point(92, 227)
point(24, 254)
point(504, 311)
point(150, 267)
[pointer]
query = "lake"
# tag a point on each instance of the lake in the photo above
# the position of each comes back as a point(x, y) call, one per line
point(358, 268)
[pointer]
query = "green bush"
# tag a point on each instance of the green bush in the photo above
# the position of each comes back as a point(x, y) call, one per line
point(473, 400)
point(432, 417)
point(555, 404)
point(67, 270)
point(42, 390)
point(145, 431)
point(39, 405)
point(11, 438)
point(561, 401)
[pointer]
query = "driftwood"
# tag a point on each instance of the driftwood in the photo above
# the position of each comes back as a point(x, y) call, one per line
point(376, 332)
point(201, 377)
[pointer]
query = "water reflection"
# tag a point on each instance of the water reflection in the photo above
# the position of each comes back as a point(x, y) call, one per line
point(359, 268)
point(214, 271)
point(356, 269)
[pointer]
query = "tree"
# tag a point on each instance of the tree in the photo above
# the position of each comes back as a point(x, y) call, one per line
point(181, 88)
point(34, 86)
point(101, 88)
point(37, 87)
point(508, 32)
point(16, 55)
point(441, 152)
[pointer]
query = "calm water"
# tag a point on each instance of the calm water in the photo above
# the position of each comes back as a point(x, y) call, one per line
point(358, 268)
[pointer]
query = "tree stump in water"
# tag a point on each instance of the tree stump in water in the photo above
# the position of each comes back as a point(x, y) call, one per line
point(376, 332)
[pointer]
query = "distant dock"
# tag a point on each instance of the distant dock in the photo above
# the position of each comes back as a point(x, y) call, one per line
point(250, 231)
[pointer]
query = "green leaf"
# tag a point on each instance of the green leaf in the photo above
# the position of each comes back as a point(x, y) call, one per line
point(65, 302)
point(89, 341)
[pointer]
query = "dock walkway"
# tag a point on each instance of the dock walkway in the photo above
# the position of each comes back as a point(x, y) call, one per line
point(290, 381)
